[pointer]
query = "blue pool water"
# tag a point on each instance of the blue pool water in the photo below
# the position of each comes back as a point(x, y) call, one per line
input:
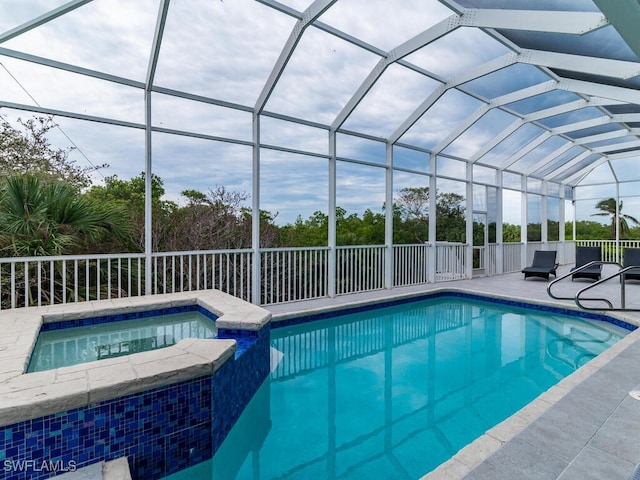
point(394, 392)
point(61, 347)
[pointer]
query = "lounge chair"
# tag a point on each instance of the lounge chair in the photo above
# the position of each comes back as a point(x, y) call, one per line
point(544, 264)
point(585, 255)
point(631, 257)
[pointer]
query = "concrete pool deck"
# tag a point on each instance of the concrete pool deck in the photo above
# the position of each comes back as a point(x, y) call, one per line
point(585, 427)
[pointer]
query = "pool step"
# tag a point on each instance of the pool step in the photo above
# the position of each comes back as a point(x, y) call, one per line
point(117, 469)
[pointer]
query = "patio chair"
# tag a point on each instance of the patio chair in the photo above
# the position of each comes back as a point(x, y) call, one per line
point(631, 258)
point(585, 255)
point(544, 264)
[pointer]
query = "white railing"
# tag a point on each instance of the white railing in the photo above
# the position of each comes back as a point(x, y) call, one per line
point(512, 257)
point(491, 267)
point(225, 270)
point(359, 269)
point(291, 274)
point(451, 261)
point(283, 274)
point(411, 264)
point(611, 251)
point(31, 281)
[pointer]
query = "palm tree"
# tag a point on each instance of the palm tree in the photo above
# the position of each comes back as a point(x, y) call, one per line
point(40, 218)
point(607, 207)
point(51, 218)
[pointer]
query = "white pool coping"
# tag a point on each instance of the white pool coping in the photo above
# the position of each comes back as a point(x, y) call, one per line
point(25, 396)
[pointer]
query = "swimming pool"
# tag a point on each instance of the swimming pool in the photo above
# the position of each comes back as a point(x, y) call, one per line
point(396, 391)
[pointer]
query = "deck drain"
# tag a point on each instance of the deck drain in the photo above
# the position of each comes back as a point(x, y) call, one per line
point(635, 394)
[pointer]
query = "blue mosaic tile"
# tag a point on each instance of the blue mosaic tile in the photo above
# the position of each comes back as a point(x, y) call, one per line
point(244, 338)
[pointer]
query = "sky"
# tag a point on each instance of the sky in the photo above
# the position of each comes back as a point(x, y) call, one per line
point(226, 50)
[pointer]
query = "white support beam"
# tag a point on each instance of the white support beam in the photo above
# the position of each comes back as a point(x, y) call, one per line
point(528, 92)
point(42, 19)
point(331, 234)
point(549, 158)
point(388, 219)
point(582, 173)
point(433, 188)
point(496, 140)
point(426, 104)
point(568, 165)
point(255, 210)
point(577, 23)
point(617, 156)
point(464, 77)
point(70, 68)
point(157, 42)
point(495, 103)
point(580, 63)
point(317, 8)
point(148, 164)
point(627, 95)
point(568, 107)
point(626, 117)
point(68, 114)
point(573, 127)
point(557, 110)
point(539, 140)
point(469, 221)
point(422, 39)
point(579, 126)
point(622, 132)
point(618, 146)
point(463, 127)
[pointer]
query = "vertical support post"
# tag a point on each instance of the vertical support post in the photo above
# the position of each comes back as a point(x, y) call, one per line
point(469, 218)
point(331, 287)
point(561, 226)
point(255, 212)
point(388, 220)
point(499, 228)
point(433, 184)
point(524, 218)
point(544, 230)
point(163, 9)
point(148, 240)
point(618, 222)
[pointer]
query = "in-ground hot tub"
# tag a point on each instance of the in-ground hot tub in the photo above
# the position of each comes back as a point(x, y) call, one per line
point(71, 342)
point(164, 409)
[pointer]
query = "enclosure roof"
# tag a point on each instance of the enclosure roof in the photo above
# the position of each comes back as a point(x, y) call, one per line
point(544, 88)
